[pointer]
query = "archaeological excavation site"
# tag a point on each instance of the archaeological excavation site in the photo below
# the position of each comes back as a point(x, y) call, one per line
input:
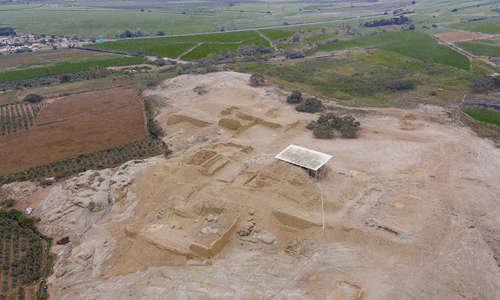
point(250, 205)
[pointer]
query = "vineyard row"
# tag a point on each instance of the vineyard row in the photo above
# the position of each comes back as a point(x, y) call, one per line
point(22, 258)
point(17, 117)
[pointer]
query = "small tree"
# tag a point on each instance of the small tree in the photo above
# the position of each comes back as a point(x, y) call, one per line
point(311, 105)
point(256, 80)
point(295, 97)
point(323, 131)
point(65, 78)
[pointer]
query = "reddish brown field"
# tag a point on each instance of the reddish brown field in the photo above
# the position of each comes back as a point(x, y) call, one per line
point(73, 125)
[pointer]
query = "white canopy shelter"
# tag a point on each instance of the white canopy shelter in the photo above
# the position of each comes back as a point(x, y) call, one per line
point(303, 157)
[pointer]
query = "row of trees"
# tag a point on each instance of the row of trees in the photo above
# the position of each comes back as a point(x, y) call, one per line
point(401, 20)
point(95, 160)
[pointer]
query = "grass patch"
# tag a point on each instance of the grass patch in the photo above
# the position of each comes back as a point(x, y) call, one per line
point(486, 115)
point(61, 68)
point(478, 48)
point(409, 43)
point(382, 78)
point(255, 67)
point(277, 34)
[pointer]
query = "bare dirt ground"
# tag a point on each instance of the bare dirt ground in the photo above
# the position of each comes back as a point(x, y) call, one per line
point(459, 36)
point(410, 207)
point(73, 125)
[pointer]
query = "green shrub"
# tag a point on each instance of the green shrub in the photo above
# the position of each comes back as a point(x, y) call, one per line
point(323, 131)
point(326, 124)
point(153, 128)
point(311, 105)
point(256, 80)
point(33, 98)
point(7, 202)
point(294, 98)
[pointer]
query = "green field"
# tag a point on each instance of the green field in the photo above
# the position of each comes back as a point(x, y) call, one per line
point(206, 49)
point(409, 43)
point(61, 68)
point(486, 115)
point(485, 26)
point(72, 18)
point(153, 46)
point(30, 60)
point(174, 46)
point(379, 78)
point(480, 48)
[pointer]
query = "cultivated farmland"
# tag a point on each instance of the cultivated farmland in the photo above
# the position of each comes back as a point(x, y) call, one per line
point(480, 47)
point(175, 46)
point(67, 67)
point(33, 59)
point(24, 254)
point(106, 158)
point(277, 34)
point(485, 26)
point(409, 43)
point(17, 117)
point(73, 125)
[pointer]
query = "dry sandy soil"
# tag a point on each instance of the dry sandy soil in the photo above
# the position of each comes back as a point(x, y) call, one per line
point(458, 36)
point(409, 210)
point(73, 125)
